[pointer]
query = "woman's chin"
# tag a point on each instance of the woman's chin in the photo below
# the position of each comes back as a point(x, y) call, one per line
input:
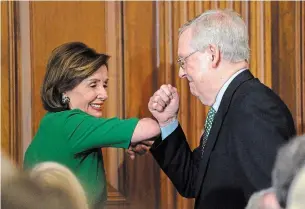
point(97, 114)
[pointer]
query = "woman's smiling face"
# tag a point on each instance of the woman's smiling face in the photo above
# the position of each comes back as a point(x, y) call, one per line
point(90, 95)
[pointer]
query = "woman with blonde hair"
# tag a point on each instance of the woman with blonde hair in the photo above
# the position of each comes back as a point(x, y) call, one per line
point(54, 175)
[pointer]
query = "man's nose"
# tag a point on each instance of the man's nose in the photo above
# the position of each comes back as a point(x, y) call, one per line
point(182, 73)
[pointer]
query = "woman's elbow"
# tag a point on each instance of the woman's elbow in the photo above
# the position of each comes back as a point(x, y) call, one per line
point(146, 129)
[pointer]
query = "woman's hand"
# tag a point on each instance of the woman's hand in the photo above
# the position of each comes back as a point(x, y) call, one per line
point(140, 148)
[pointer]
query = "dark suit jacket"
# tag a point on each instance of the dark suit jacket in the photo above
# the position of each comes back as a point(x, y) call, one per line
point(249, 126)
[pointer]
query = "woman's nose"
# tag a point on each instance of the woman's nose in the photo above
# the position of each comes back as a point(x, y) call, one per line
point(102, 94)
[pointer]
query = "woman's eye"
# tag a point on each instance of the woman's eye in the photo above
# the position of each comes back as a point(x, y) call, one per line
point(93, 85)
point(105, 86)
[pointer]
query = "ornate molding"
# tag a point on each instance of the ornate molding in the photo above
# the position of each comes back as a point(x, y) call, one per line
point(300, 66)
point(10, 32)
point(113, 158)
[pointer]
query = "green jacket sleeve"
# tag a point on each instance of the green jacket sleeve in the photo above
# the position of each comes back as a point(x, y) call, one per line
point(86, 132)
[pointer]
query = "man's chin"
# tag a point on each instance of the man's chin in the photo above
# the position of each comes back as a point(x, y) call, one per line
point(203, 101)
point(193, 92)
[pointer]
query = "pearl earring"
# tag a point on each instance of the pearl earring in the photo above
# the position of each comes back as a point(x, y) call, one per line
point(65, 99)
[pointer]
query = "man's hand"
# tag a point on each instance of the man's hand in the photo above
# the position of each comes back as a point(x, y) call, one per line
point(164, 104)
point(140, 148)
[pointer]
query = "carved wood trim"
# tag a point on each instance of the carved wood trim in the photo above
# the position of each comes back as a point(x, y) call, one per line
point(300, 67)
point(302, 104)
point(13, 76)
point(114, 157)
point(26, 76)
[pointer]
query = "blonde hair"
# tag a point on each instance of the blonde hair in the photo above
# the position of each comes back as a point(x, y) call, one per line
point(54, 175)
point(8, 169)
point(24, 192)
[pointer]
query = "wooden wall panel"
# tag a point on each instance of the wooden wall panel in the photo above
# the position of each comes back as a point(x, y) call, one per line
point(142, 38)
point(166, 73)
point(5, 104)
point(54, 23)
point(10, 75)
point(114, 158)
point(301, 104)
point(259, 21)
point(287, 67)
point(300, 66)
point(140, 81)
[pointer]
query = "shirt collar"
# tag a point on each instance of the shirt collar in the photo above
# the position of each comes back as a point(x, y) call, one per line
point(224, 88)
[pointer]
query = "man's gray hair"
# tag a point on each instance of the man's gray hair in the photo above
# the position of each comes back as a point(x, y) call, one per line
point(225, 29)
point(290, 159)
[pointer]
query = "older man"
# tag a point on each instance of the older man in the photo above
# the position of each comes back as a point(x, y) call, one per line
point(245, 125)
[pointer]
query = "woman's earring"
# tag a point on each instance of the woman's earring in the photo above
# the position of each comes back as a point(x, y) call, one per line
point(65, 99)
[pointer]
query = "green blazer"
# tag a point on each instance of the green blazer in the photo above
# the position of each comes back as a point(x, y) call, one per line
point(74, 139)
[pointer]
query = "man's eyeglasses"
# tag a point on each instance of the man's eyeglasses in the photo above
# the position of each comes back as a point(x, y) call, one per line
point(182, 60)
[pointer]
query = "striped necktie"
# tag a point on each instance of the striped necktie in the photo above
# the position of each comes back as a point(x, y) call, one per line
point(207, 127)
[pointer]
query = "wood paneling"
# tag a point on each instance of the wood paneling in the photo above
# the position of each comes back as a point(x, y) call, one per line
point(260, 39)
point(166, 73)
point(140, 81)
point(287, 56)
point(300, 66)
point(5, 104)
point(142, 38)
point(25, 75)
point(10, 86)
point(283, 62)
point(114, 158)
point(54, 23)
point(301, 110)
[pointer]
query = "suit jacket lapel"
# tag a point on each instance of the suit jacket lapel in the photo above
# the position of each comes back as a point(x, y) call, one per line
point(220, 115)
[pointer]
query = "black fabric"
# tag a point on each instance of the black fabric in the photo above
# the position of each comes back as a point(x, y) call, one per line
point(249, 126)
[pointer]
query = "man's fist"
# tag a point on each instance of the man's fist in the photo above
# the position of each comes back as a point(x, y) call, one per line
point(164, 104)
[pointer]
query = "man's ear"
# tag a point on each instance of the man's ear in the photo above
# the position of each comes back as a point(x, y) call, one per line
point(214, 54)
point(269, 200)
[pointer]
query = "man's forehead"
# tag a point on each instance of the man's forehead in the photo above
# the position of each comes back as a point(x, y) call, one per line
point(184, 43)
